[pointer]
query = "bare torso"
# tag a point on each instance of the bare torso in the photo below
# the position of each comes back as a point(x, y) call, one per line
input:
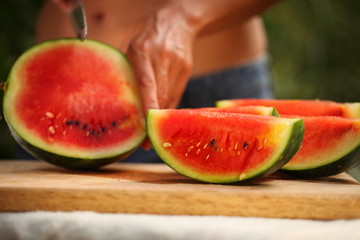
point(111, 22)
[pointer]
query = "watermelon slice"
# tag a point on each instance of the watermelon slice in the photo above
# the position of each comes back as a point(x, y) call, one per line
point(331, 142)
point(74, 104)
point(222, 147)
point(331, 145)
point(300, 107)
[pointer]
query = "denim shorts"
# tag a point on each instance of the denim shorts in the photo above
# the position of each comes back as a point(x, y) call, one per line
point(250, 80)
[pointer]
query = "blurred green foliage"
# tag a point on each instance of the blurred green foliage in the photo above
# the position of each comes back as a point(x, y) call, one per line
point(17, 28)
point(315, 49)
point(314, 46)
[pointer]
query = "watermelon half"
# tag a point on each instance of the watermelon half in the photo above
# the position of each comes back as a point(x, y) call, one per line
point(74, 104)
point(331, 145)
point(222, 147)
point(300, 107)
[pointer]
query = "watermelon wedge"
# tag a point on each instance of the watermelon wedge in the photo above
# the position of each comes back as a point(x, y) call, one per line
point(331, 145)
point(300, 107)
point(222, 147)
point(74, 104)
point(331, 142)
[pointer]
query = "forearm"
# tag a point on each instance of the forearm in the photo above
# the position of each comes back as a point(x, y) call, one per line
point(211, 15)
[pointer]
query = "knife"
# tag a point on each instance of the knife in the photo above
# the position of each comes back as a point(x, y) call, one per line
point(77, 17)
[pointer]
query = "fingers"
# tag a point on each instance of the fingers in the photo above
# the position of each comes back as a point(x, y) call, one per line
point(146, 145)
point(179, 75)
point(161, 75)
point(145, 77)
point(161, 58)
point(161, 66)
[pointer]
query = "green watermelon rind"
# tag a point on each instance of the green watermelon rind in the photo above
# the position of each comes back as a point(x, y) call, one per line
point(274, 112)
point(59, 157)
point(73, 163)
point(294, 140)
point(345, 161)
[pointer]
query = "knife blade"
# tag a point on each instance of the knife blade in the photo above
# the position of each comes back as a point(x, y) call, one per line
point(77, 17)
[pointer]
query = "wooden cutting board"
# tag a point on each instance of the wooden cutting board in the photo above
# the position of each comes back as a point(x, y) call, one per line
point(156, 189)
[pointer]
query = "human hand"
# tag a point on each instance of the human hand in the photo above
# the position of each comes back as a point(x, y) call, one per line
point(161, 55)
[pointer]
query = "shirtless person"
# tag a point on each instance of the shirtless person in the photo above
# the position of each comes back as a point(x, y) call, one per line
point(187, 53)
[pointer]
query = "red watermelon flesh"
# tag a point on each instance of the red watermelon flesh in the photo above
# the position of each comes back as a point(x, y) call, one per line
point(300, 107)
point(220, 146)
point(74, 99)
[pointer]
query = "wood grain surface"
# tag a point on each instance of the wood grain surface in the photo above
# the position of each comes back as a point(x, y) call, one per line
point(156, 189)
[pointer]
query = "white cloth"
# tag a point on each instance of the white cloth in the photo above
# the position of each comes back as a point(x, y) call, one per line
point(90, 226)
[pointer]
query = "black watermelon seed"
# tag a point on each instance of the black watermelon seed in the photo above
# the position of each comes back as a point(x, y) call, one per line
point(212, 143)
point(113, 123)
point(77, 123)
point(93, 132)
point(245, 145)
point(103, 129)
point(84, 127)
point(69, 122)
